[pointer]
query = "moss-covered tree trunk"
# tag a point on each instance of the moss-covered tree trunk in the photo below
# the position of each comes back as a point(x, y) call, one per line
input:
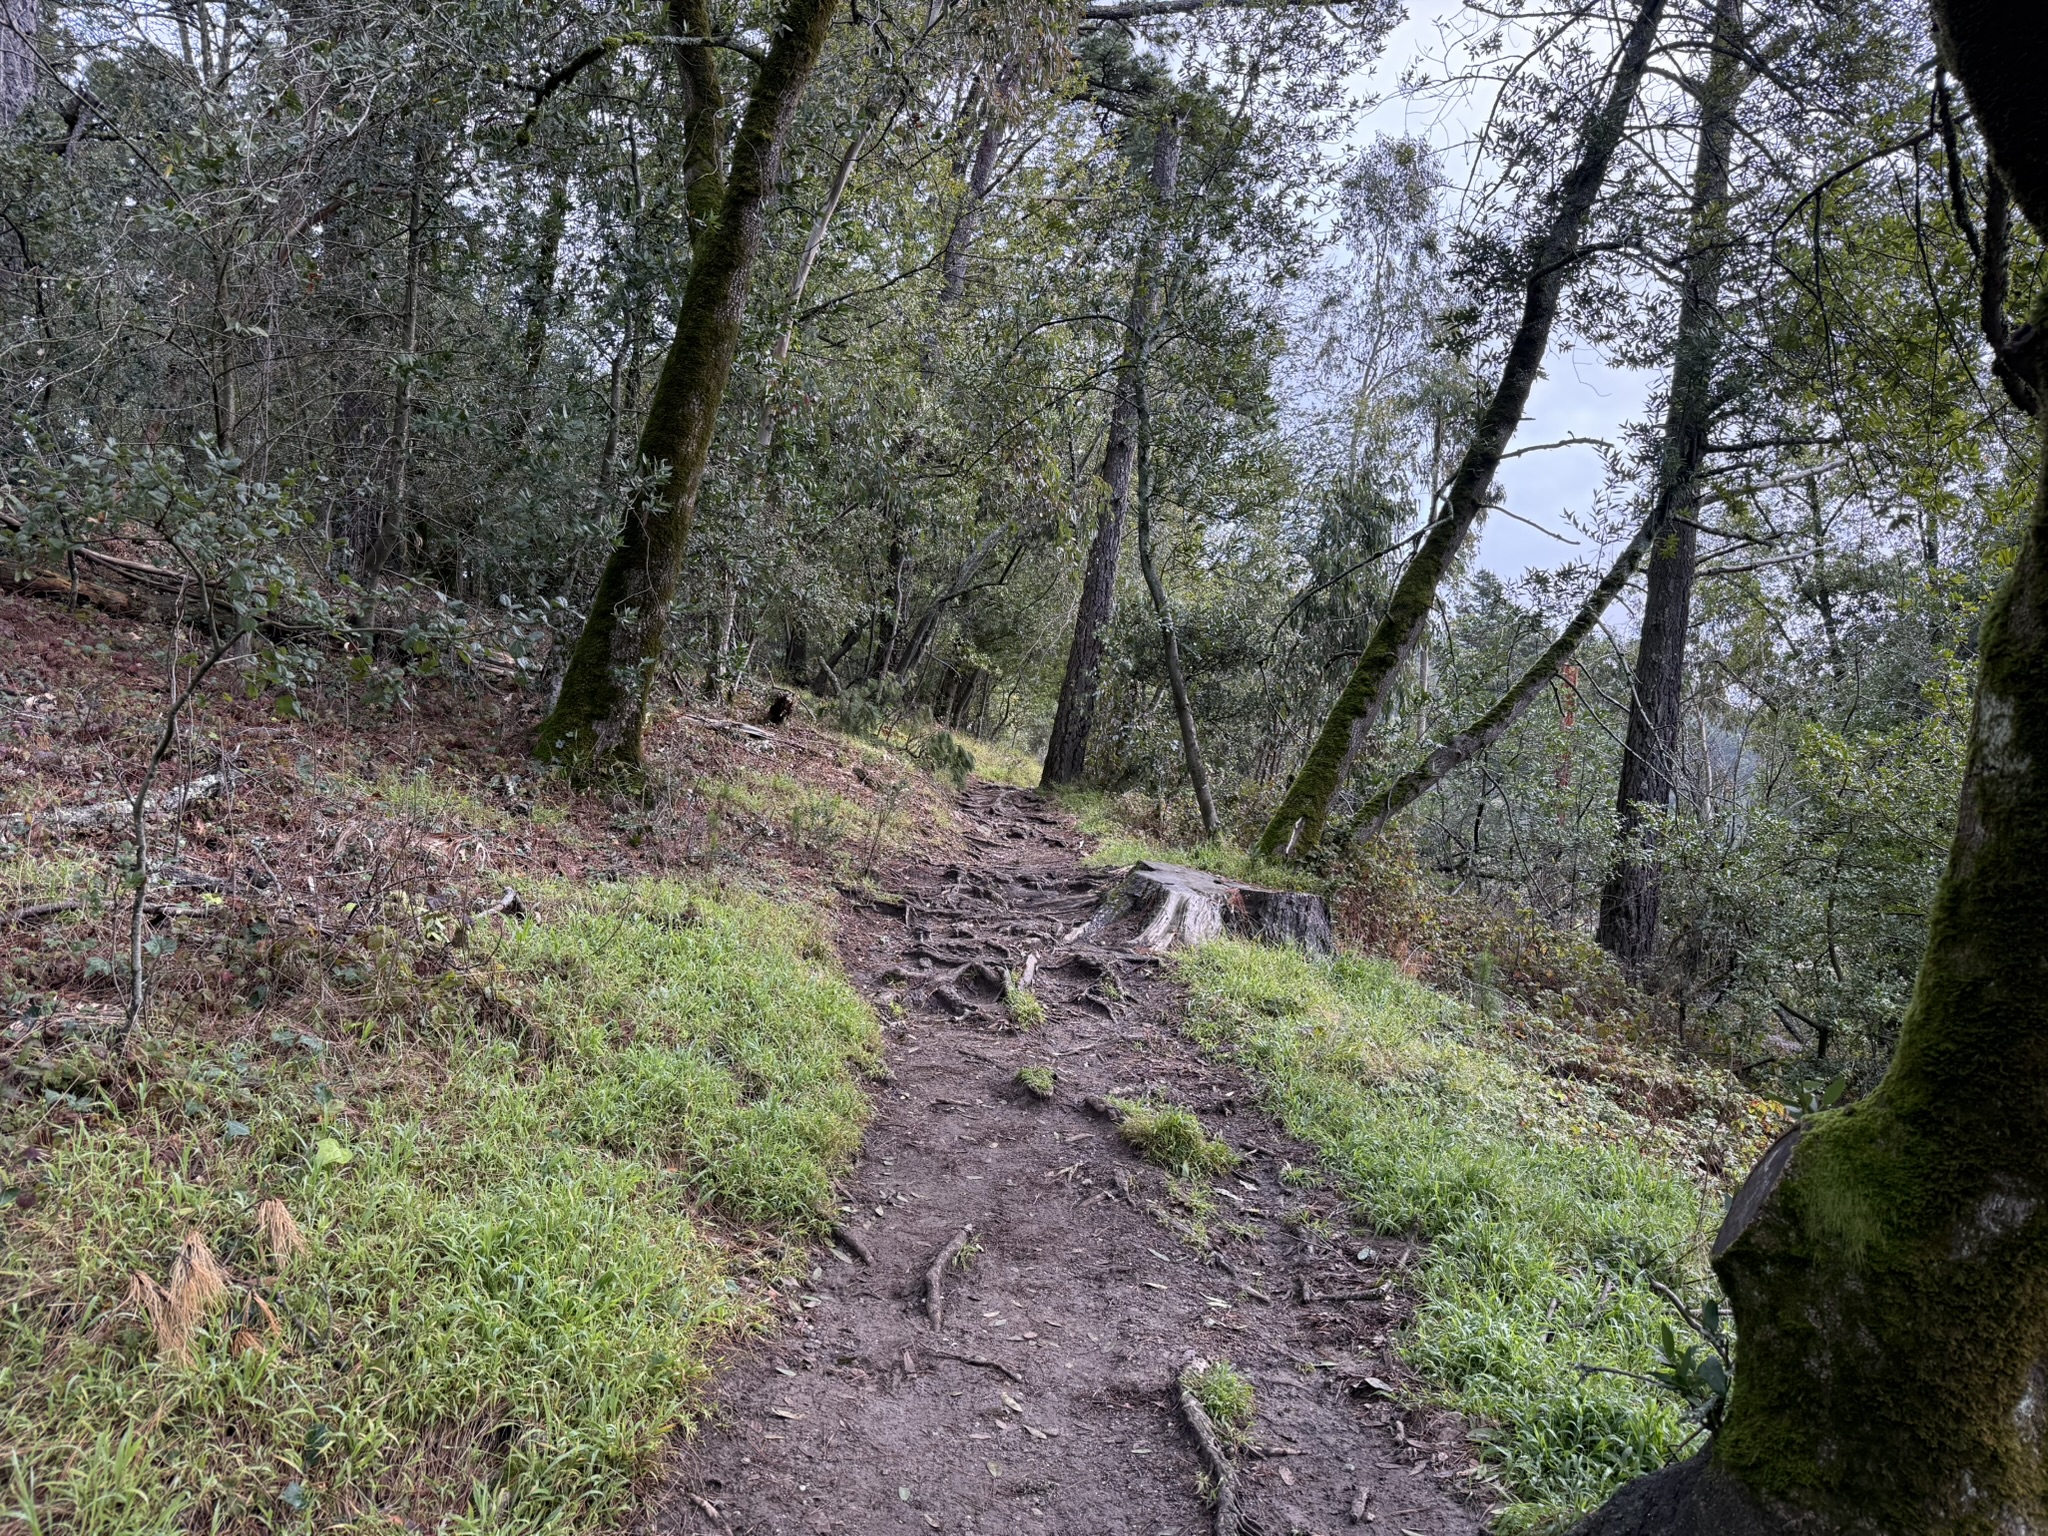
point(1298, 821)
point(1888, 1266)
point(599, 711)
point(1066, 751)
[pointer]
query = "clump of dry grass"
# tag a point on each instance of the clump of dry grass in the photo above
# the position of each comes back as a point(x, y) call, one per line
point(175, 1311)
point(279, 1234)
point(148, 1298)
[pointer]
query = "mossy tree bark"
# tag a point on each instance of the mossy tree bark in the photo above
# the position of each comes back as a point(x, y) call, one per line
point(1066, 752)
point(598, 714)
point(1888, 1265)
point(1298, 822)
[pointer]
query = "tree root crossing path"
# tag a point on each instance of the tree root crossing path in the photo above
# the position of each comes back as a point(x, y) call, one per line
point(995, 1341)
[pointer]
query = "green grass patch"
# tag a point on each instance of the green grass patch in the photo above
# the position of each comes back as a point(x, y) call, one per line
point(1224, 1395)
point(1173, 1138)
point(566, 1165)
point(1037, 1081)
point(1545, 1217)
point(1027, 1009)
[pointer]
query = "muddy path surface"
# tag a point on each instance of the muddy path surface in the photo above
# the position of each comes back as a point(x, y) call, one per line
point(1042, 1400)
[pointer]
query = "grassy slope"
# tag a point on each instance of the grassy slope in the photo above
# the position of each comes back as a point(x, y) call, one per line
point(561, 1150)
point(1554, 1174)
point(1545, 1211)
point(572, 1156)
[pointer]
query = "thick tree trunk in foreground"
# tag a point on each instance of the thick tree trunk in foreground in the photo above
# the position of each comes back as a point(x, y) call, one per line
point(603, 700)
point(1298, 821)
point(1889, 1266)
point(1066, 753)
point(1628, 902)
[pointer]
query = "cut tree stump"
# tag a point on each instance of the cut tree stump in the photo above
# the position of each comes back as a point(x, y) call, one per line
point(1171, 904)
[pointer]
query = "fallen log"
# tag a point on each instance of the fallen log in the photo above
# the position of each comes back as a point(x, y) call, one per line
point(110, 813)
point(1160, 906)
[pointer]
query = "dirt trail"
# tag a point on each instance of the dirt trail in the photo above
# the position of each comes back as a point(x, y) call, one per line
point(1044, 1401)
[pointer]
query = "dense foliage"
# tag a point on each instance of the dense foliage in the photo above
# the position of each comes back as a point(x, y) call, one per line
point(373, 299)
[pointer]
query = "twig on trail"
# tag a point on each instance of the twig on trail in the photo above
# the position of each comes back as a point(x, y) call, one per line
point(1218, 1463)
point(934, 1278)
point(987, 1365)
point(850, 1240)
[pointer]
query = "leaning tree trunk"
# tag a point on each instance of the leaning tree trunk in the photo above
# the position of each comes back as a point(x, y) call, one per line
point(1888, 1263)
point(599, 712)
point(1696, 349)
point(1298, 821)
point(1066, 753)
point(1169, 637)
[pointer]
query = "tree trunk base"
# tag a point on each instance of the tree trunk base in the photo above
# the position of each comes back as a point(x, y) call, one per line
point(1695, 1498)
point(1159, 906)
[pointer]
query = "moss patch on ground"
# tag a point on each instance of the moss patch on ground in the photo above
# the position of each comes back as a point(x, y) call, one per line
point(1548, 1205)
point(540, 1185)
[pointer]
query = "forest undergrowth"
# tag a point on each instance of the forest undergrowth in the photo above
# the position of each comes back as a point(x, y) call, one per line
point(429, 1203)
point(1499, 1094)
point(402, 1214)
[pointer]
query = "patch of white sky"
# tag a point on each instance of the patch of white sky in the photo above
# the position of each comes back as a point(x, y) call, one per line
point(1581, 395)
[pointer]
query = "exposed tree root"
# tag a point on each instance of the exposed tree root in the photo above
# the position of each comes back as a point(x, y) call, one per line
point(935, 1277)
point(1213, 1456)
point(850, 1240)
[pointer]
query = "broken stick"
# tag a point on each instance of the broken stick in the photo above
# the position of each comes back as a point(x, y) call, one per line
point(987, 1365)
point(1220, 1469)
point(851, 1242)
point(934, 1278)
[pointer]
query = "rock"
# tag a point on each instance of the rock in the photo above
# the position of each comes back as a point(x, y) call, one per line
point(1171, 904)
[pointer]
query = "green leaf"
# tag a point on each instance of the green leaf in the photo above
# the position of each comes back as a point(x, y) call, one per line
point(329, 1153)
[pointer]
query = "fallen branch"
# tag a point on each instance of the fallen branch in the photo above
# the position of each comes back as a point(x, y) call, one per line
point(41, 909)
point(850, 1240)
point(207, 786)
point(987, 1365)
point(934, 1278)
point(1213, 1456)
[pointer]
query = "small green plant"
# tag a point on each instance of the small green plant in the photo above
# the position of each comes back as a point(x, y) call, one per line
point(1224, 1395)
point(941, 753)
point(1026, 1011)
point(1174, 1139)
point(1036, 1080)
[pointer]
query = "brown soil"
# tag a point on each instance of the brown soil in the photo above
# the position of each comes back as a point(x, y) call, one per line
point(1044, 1401)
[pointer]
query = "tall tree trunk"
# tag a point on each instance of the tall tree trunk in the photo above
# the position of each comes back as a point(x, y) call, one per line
point(1298, 820)
point(540, 297)
point(388, 542)
point(1696, 351)
point(1169, 638)
point(1066, 754)
point(1629, 900)
point(600, 710)
point(1888, 1262)
point(981, 175)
